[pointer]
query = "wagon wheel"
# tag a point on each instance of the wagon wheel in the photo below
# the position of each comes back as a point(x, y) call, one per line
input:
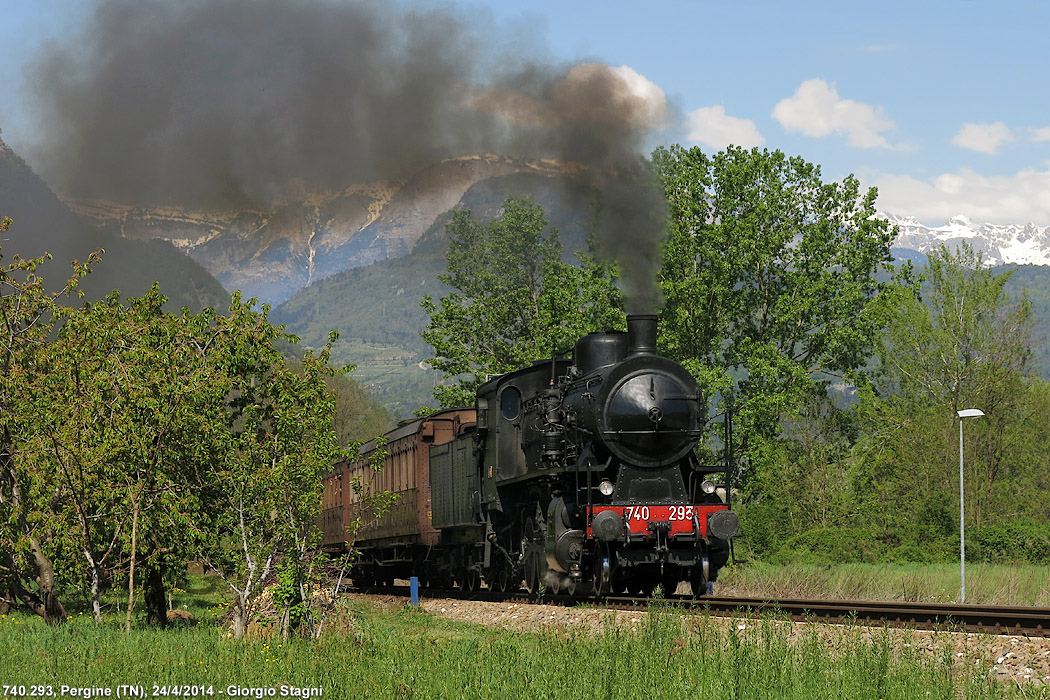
point(469, 580)
point(368, 577)
point(501, 578)
point(645, 586)
point(670, 580)
point(535, 559)
point(556, 583)
point(698, 581)
point(602, 573)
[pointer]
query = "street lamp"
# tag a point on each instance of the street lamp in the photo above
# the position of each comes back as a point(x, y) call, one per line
point(965, 413)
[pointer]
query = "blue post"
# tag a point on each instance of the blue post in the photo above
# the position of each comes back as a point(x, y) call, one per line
point(414, 587)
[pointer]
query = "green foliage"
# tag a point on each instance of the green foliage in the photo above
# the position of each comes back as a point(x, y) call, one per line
point(832, 544)
point(125, 409)
point(803, 480)
point(967, 345)
point(27, 524)
point(405, 654)
point(1011, 541)
point(274, 445)
point(138, 439)
point(892, 469)
point(770, 277)
point(515, 300)
point(965, 341)
point(288, 593)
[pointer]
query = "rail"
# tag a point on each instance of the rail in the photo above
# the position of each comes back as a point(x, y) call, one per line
point(989, 619)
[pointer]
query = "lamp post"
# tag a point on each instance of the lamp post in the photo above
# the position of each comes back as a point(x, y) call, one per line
point(965, 413)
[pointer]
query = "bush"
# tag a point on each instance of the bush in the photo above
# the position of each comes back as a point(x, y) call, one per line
point(1015, 541)
point(833, 544)
point(911, 553)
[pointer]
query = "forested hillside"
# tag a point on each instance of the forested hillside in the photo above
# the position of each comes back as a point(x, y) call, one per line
point(376, 308)
point(1034, 280)
point(41, 223)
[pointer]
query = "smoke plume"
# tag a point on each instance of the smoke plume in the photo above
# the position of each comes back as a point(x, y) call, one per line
point(229, 103)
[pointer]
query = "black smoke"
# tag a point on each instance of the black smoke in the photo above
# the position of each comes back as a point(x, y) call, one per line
point(234, 103)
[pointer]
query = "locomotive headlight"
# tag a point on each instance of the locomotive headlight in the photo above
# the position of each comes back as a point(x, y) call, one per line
point(707, 486)
point(606, 488)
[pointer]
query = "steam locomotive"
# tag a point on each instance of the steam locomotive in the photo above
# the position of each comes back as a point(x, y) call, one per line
point(576, 476)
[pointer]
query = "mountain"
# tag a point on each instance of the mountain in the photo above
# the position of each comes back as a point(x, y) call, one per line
point(359, 260)
point(1000, 244)
point(272, 253)
point(41, 223)
point(376, 308)
point(1022, 250)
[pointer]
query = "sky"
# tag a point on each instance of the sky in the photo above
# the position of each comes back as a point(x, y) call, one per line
point(941, 105)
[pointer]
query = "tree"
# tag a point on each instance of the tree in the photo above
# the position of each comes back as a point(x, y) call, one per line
point(146, 438)
point(131, 406)
point(267, 476)
point(27, 311)
point(967, 341)
point(358, 415)
point(770, 279)
point(132, 439)
point(966, 344)
point(515, 301)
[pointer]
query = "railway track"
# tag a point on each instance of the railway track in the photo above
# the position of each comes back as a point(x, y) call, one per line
point(989, 619)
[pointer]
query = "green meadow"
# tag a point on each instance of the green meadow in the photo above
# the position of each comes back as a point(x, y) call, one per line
point(406, 653)
point(986, 584)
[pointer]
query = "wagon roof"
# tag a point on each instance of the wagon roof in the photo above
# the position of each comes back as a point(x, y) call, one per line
point(411, 427)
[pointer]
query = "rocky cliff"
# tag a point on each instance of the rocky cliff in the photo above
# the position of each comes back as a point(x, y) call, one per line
point(273, 253)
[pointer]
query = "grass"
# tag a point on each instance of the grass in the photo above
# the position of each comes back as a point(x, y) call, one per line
point(407, 653)
point(991, 584)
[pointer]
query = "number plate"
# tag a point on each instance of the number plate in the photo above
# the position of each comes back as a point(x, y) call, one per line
point(681, 517)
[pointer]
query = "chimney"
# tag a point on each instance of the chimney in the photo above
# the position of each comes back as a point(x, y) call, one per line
point(641, 334)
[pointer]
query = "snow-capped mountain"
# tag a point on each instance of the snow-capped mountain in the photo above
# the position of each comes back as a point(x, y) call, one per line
point(1021, 244)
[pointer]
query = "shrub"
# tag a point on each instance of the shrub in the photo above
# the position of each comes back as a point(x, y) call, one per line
point(1009, 542)
point(834, 544)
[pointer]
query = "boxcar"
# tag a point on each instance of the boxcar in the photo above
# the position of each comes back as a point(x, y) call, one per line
point(389, 546)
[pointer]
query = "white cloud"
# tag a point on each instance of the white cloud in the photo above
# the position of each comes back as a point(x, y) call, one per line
point(1041, 134)
point(817, 110)
point(712, 127)
point(1003, 199)
point(984, 138)
point(648, 93)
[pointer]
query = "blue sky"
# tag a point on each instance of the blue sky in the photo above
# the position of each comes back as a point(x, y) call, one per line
point(942, 105)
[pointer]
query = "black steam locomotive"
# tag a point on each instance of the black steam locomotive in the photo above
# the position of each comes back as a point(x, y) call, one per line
point(575, 476)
